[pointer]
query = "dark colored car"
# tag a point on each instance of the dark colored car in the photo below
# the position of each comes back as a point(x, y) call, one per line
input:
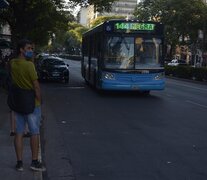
point(53, 68)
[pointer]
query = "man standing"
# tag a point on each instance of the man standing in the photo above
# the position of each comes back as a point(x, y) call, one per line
point(24, 76)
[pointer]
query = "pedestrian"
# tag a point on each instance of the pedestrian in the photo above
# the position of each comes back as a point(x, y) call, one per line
point(24, 75)
point(12, 114)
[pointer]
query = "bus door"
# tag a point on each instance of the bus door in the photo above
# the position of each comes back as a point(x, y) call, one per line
point(86, 58)
point(94, 55)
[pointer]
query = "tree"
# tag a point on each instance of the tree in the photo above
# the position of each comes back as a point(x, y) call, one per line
point(71, 40)
point(182, 19)
point(39, 19)
point(101, 19)
point(33, 19)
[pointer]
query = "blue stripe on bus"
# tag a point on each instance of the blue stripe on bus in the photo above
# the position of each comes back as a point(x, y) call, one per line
point(133, 82)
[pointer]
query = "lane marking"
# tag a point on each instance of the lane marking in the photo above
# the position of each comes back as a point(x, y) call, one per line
point(197, 104)
point(40, 176)
point(169, 95)
point(201, 89)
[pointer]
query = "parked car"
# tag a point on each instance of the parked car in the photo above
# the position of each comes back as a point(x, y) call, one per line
point(53, 68)
point(176, 62)
point(39, 58)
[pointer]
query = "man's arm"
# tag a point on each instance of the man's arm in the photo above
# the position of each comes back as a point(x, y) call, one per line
point(37, 90)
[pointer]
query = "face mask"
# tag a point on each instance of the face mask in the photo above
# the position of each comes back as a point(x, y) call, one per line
point(28, 54)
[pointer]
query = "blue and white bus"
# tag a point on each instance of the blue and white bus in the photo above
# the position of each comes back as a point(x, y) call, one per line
point(124, 55)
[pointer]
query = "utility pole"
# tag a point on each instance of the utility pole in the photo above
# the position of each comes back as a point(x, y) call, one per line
point(204, 41)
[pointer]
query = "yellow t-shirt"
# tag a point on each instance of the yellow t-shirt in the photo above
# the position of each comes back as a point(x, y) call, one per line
point(23, 74)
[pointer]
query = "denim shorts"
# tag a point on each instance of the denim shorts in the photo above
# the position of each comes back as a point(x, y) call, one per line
point(33, 121)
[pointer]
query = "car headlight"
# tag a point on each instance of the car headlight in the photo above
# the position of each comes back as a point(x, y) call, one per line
point(159, 76)
point(109, 76)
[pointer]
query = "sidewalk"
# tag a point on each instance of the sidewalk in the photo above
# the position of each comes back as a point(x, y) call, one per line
point(7, 152)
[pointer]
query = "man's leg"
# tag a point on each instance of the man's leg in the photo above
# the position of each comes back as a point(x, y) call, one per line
point(34, 128)
point(34, 144)
point(18, 144)
point(18, 140)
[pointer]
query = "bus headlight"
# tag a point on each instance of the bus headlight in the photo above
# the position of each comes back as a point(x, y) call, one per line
point(159, 76)
point(109, 76)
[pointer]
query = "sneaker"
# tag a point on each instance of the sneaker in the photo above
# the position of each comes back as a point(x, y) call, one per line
point(19, 166)
point(37, 166)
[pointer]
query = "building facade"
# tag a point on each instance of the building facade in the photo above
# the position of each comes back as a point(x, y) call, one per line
point(119, 8)
point(86, 15)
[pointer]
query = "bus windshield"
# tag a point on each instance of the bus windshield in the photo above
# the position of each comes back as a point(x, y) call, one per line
point(132, 53)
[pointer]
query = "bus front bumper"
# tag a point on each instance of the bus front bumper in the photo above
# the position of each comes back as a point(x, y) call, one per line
point(141, 86)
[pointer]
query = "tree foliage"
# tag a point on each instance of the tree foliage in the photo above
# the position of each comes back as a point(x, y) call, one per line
point(34, 19)
point(39, 19)
point(181, 18)
point(101, 19)
point(73, 38)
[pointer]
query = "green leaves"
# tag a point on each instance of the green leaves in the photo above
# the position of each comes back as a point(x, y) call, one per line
point(34, 19)
point(101, 19)
point(181, 18)
point(38, 19)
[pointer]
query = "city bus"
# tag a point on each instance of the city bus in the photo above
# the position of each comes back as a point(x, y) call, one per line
point(124, 55)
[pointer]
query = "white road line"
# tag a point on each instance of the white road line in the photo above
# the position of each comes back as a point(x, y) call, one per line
point(40, 177)
point(197, 104)
point(169, 95)
point(180, 84)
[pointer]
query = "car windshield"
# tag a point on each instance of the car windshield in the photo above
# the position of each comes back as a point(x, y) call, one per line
point(132, 53)
point(58, 63)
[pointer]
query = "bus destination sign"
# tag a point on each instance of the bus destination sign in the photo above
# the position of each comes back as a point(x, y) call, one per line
point(129, 26)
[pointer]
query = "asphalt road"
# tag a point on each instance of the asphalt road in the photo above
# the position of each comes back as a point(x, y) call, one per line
point(124, 136)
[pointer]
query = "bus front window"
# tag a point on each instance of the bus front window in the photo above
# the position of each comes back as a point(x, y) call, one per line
point(119, 53)
point(132, 53)
point(147, 53)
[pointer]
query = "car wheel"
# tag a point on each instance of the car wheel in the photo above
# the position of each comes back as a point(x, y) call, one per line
point(67, 80)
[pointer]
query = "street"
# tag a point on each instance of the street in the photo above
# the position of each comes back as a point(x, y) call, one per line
point(88, 135)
